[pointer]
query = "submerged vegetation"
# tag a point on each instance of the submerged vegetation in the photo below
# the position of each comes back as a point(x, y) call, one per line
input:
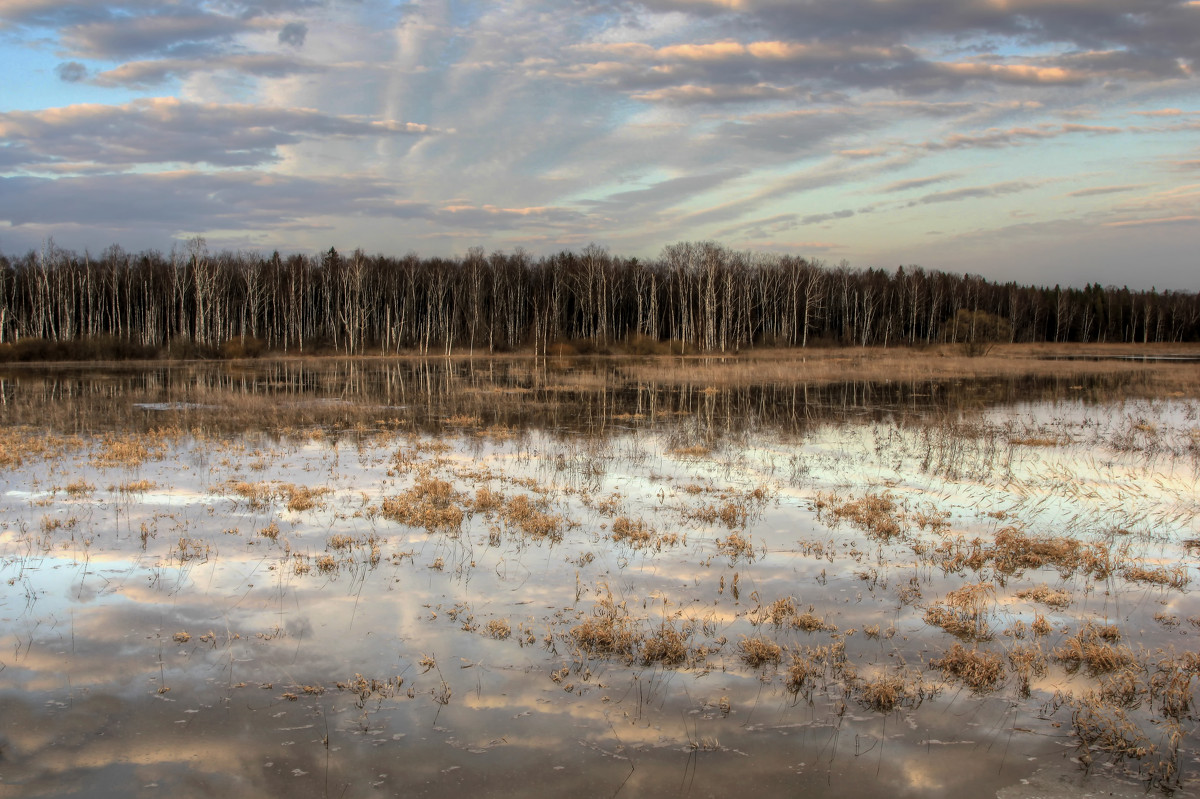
point(526, 564)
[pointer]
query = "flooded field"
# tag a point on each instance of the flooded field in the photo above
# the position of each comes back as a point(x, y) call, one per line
point(420, 578)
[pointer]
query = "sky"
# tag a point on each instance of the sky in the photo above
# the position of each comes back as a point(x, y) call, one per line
point(1041, 141)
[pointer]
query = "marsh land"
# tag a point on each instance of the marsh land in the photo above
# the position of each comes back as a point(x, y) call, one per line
point(833, 572)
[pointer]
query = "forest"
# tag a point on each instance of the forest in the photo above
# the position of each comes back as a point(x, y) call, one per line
point(695, 297)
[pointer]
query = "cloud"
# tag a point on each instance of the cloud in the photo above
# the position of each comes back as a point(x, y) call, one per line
point(156, 34)
point(293, 34)
point(794, 132)
point(166, 131)
point(71, 71)
point(632, 123)
point(975, 192)
point(179, 200)
point(1013, 137)
point(666, 192)
point(817, 219)
point(917, 183)
point(1179, 219)
point(144, 74)
point(1102, 190)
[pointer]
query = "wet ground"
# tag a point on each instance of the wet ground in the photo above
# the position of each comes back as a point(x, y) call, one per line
point(420, 579)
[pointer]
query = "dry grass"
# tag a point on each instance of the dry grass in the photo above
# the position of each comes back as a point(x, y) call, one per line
point(498, 629)
point(636, 533)
point(810, 622)
point(487, 501)
point(877, 514)
point(302, 498)
point(367, 688)
point(431, 504)
point(531, 518)
point(839, 365)
point(1052, 597)
point(666, 645)
point(257, 495)
point(889, 690)
point(778, 612)
point(608, 631)
point(129, 451)
point(964, 612)
point(136, 487)
point(1015, 551)
point(79, 488)
point(1026, 662)
point(1170, 576)
point(736, 547)
point(980, 670)
point(806, 667)
point(1094, 647)
point(759, 651)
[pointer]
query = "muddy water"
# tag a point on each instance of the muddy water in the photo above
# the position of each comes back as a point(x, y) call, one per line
point(180, 618)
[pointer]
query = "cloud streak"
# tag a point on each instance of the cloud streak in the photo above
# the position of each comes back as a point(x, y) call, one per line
point(167, 130)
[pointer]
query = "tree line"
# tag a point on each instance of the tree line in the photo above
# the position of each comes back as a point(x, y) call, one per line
point(696, 296)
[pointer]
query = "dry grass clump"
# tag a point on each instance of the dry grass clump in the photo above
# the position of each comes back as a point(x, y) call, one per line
point(635, 533)
point(136, 487)
point(1172, 576)
point(523, 513)
point(499, 629)
point(806, 667)
point(326, 564)
point(731, 514)
point(810, 622)
point(1053, 597)
point(608, 631)
point(487, 501)
point(131, 451)
point(888, 691)
point(964, 614)
point(1094, 647)
point(1109, 729)
point(935, 520)
point(736, 546)
point(1036, 441)
point(12, 447)
point(1109, 732)
point(1026, 662)
point(271, 531)
point(759, 651)
point(1014, 551)
point(431, 504)
point(257, 495)
point(366, 688)
point(980, 670)
point(876, 514)
point(778, 612)
point(192, 549)
point(1170, 686)
point(1124, 687)
point(79, 488)
point(302, 498)
point(666, 645)
point(339, 541)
